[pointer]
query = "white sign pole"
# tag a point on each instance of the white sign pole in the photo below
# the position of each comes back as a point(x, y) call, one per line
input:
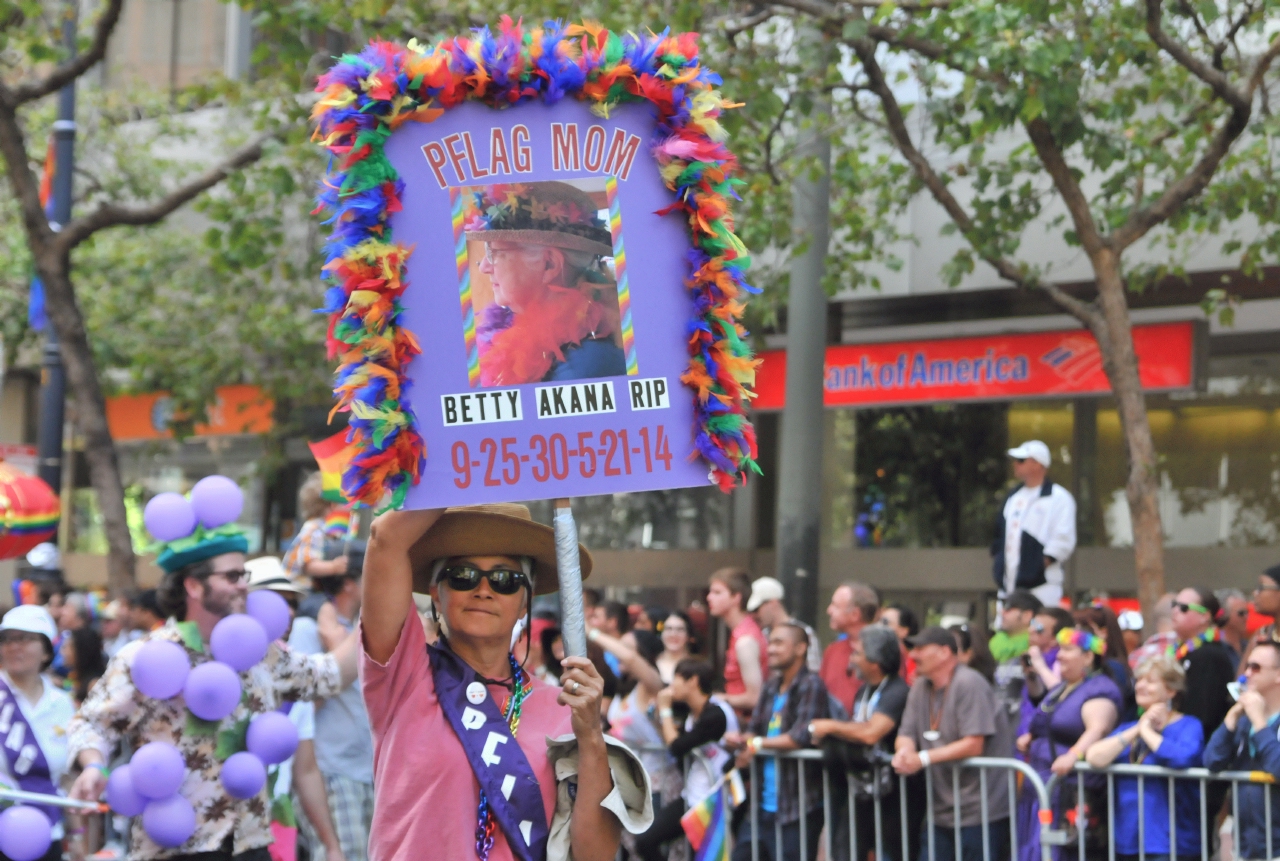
point(573, 624)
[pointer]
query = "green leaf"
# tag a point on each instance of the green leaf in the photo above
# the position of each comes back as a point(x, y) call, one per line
point(201, 727)
point(191, 636)
point(232, 739)
point(854, 28)
point(1032, 107)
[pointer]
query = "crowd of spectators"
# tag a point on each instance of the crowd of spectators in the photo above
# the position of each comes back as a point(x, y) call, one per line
point(885, 700)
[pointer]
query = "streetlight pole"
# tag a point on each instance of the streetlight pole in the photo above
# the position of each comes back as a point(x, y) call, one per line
point(799, 513)
point(53, 377)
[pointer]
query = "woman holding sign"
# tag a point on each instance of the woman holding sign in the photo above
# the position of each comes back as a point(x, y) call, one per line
point(473, 757)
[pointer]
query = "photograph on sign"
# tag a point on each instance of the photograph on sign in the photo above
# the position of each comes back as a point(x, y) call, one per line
point(544, 291)
point(494, 339)
point(543, 373)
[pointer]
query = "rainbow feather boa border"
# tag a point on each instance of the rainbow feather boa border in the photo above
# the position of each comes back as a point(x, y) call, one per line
point(365, 97)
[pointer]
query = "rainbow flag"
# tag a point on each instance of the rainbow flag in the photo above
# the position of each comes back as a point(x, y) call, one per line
point(339, 523)
point(707, 822)
point(334, 456)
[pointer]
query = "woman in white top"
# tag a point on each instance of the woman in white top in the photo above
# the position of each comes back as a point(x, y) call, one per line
point(33, 711)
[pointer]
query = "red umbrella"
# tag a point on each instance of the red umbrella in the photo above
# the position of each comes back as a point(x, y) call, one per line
point(29, 512)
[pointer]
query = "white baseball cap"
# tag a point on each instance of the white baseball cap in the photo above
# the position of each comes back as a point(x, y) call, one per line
point(31, 618)
point(1130, 620)
point(267, 572)
point(44, 556)
point(762, 590)
point(1033, 449)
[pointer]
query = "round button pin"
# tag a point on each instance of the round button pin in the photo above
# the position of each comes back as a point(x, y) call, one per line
point(476, 693)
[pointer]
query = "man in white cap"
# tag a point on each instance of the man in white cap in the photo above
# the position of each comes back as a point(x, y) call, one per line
point(766, 605)
point(1036, 532)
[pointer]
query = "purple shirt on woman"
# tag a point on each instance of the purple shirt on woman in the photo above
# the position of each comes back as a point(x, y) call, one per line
point(1054, 729)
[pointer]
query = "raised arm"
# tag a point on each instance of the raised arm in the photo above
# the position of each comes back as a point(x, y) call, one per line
point(630, 660)
point(388, 578)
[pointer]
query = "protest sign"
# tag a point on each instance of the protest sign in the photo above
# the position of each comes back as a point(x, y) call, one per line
point(534, 276)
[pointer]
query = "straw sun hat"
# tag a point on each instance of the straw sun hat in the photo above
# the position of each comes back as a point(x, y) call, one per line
point(499, 529)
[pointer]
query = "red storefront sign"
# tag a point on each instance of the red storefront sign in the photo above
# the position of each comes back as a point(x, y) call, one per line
point(985, 368)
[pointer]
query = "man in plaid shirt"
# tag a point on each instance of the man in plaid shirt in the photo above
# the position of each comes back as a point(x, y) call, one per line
point(792, 698)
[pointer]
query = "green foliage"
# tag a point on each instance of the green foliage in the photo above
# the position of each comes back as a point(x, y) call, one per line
point(1131, 120)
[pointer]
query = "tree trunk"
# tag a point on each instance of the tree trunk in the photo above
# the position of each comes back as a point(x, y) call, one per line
point(1121, 364)
point(91, 416)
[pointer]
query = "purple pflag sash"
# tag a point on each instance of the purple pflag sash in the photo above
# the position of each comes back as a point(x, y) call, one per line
point(27, 763)
point(498, 762)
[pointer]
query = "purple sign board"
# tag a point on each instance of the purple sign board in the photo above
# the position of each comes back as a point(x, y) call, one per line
point(548, 298)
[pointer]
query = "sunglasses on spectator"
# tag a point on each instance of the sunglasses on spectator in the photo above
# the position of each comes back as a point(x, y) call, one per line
point(232, 577)
point(1187, 608)
point(464, 578)
point(1255, 667)
point(1268, 588)
point(1037, 627)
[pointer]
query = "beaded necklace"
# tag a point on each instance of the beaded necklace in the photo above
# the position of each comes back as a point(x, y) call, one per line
point(486, 824)
point(1212, 635)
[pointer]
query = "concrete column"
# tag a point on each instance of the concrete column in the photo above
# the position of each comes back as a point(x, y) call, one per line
point(800, 463)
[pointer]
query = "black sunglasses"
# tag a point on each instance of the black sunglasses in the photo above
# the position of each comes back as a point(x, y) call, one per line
point(464, 578)
point(232, 577)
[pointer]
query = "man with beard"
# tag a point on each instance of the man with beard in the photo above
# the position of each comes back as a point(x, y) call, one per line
point(204, 582)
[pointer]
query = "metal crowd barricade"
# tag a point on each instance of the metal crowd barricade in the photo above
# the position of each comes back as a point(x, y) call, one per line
point(806, 759)
point(1202, 777)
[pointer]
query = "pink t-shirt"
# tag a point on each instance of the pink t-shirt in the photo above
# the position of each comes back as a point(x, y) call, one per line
point(427, 793)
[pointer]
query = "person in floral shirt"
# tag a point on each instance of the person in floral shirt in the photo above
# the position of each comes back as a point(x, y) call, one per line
point(204, 582)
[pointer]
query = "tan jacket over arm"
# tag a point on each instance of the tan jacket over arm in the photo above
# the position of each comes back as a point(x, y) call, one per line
point(631, 799)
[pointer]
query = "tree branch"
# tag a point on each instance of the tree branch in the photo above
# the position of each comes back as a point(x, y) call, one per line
point(73, 68)
point(1216, 80)
point(1055, 163)
point(22, 179)
point(732, 28)
point(1005, 268)
point(1198, 177)
point(111, 215)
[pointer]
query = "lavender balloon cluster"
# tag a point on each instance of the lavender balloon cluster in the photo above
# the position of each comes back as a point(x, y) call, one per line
point(215, 501)
point(150, 784)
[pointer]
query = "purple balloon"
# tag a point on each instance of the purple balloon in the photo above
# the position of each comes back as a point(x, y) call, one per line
point(169, 516)
point(271, 610)
point(169, 822)
point(25, 833)
point(243, 775)
point(212, 690)
point(160, 668)
point(272, 737)
point(156, 770)
point(217, 500)
point(239, 641)
point(121, 795)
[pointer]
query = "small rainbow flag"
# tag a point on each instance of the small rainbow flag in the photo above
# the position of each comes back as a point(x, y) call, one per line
point(334, 456)
point(707, 822)
point(338, 523)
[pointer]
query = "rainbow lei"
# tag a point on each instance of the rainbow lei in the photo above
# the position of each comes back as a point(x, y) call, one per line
point(367, 96)
point(1212, 635)
point(1084, 640)
point(486, 825)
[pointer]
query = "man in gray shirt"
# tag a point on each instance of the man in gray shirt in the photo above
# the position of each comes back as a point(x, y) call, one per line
point(951, 714)
point(343, 739)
